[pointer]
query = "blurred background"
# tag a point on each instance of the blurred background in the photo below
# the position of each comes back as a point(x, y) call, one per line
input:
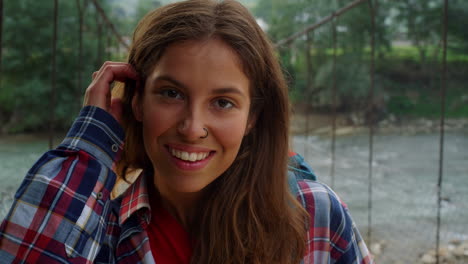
point(379, 96)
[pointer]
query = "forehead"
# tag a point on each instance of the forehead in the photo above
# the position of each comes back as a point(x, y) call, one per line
point(209, 62)
point(204, 47)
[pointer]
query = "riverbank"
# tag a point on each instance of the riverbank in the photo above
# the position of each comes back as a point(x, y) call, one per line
point(322, 125)
point(455, 251)
point(318, 124)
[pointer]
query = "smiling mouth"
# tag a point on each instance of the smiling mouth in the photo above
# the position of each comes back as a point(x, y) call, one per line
point(188, 156)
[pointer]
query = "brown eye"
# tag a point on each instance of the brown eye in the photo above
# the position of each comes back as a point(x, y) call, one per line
point(224, 104)
point(171, 93)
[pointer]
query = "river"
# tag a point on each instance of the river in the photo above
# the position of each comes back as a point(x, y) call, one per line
point(404, 184)
point(404, 187)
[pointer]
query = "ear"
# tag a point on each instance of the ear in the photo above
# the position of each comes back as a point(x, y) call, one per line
point(250, 124)
point(136, 107)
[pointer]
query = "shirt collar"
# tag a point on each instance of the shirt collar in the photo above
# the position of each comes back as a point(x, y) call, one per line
point(135, 198)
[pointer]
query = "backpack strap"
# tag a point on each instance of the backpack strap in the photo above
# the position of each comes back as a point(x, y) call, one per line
point(298, 170)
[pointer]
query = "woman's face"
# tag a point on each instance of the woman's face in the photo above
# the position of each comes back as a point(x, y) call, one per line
point(196, 85)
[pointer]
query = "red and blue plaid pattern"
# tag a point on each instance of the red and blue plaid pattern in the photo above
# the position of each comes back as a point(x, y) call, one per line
point(63, 212)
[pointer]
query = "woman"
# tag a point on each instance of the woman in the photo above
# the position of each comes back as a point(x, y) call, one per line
point(205, 116)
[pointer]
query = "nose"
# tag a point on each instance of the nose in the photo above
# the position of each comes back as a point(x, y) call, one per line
point(192, 127)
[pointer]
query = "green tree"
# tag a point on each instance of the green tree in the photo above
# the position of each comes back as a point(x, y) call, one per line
point(458, 13)
point(421, 21)
point(26, 82)
point(312, 56)
point(144, 6)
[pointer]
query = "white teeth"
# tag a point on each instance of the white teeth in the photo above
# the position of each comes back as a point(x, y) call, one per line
point(193, 157)
point(201, 156)
point(183, 155)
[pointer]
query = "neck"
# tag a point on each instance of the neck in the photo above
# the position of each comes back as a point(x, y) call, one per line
point(182, 206)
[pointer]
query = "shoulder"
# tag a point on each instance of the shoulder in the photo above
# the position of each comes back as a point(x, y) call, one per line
point(332, 233)
point(325, 208)
point(311, 193)
point(299, 168)
point(321, 202)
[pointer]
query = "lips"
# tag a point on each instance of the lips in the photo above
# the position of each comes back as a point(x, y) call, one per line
point(189, 153)
point(188, 156)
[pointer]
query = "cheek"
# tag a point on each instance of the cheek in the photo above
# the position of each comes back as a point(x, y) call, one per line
point(156, 120)
point(230, 132)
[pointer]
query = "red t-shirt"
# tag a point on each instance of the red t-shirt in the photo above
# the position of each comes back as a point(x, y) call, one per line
point(170, 242)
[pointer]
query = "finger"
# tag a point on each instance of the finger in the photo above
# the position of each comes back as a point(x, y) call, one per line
point(98, 93)
point(116, 72)
point(105, 67)
point(113, 64)
point(110, 63)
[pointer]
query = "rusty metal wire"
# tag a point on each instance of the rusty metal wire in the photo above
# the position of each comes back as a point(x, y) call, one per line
point(1, 34)
point(309, 82)
point(110, 24)
point(372, 10)
point(443, 89)
point(334, 105)
point(323, 21)
point(54, 76)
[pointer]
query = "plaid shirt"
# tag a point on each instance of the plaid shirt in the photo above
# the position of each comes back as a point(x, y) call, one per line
point(63, 212)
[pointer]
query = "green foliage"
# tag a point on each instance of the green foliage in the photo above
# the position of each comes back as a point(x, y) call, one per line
point(144, 6)
point(400, 105)
point(353, 29)
point(352, 83)
point(421, 21)
point(412, 53)
point(428, 106)
point(125, 18)
point(458, 35)
point(408, 53)
point(26, 72)
point(420, 97)
point(32, 94)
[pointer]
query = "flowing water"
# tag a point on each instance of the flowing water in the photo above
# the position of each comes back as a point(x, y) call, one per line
point(17, 155)
point(404, 187)
point(404, 191)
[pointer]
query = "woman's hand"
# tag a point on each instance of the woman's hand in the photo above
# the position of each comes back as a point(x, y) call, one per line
point(98, 92)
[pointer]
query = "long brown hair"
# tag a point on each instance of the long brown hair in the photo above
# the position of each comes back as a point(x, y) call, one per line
point(249, 214)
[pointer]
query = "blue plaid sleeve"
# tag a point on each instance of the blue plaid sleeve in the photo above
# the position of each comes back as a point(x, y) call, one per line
point(332, 235)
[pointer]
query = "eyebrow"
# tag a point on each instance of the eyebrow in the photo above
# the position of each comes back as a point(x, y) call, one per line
point(217, 91)
point(169, 79)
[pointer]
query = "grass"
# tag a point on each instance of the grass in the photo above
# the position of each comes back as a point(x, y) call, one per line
point(412, 53)
point(428, 104)
point(407, 53)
